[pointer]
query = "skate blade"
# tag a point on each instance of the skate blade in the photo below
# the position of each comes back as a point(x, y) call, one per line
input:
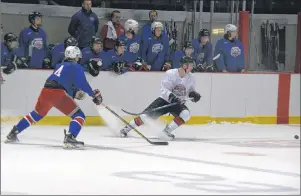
point(7, 141)
point(69, 146)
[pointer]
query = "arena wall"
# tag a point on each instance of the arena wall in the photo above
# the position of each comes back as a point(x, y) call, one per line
point(262, 98)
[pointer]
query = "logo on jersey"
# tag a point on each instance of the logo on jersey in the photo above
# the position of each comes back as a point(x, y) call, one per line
point(92, 18)
point(37, 43)
point(157, 48)
point(180, 91)
point(134, 47)
point(201, 57)
point(235, 51)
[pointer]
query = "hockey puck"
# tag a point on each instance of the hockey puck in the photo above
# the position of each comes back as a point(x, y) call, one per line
point(296, 137)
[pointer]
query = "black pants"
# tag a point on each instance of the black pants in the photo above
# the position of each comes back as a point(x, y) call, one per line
point(174, 110)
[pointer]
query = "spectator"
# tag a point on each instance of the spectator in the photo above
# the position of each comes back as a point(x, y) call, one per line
point(146, 29)
point(177, 55)
point(202, 52)
point(8, 52)
point(93, 56)
point(33, 42)
point(84, 24)
point(231, 51)
point(58, 51)
point(111, 31)
point(155, 50)
point(131, 38)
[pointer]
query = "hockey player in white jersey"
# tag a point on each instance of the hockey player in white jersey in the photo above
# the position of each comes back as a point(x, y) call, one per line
point(176, 86)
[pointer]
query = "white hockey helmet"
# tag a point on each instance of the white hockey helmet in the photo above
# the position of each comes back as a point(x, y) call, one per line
point(73, 52)
point(131, 25)
point(156, 25)
point(230, 28)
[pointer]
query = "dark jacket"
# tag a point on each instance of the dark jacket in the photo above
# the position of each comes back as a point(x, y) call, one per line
point(83, 25)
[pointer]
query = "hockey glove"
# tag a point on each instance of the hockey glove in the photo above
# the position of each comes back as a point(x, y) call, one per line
point(173, 99)
point(80, 95)
point(21, 62)
point(166, 66)
point(94, 67)
point(97, 98)
point(119, 67)
point(196, 96)
point(10, 69)
point(47, 63)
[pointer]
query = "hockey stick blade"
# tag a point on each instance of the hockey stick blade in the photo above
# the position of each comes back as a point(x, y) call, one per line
point(138, 132)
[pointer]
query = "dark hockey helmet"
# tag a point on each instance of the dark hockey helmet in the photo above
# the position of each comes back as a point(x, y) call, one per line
point(204, 32)
point(119, 42)
point(32, 16)
point(70, 41)
point(9, 37)
point(95, 40)
point(188, 44)
point(11, 40)
point(186, 60)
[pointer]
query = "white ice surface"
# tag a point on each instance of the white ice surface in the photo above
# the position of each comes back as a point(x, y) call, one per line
point(207, 159)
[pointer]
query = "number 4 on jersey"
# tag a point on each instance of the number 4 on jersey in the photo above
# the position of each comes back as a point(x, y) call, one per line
point(58, 72)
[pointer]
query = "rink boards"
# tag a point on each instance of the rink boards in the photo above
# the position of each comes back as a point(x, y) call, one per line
point(261, 98)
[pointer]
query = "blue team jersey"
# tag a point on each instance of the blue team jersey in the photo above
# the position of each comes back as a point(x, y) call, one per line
point(88, 55)
point(57, 54)
point(155, 52)
point(202, 53)
point(7, 55)
point(34, 46)
point(72, 77)
point(132, 45)
point(231, 55)
point(111, 57)
point(176, 58)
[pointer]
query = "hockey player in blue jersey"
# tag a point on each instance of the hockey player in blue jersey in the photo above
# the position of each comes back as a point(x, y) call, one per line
point(155, 50)
point(231, 51)
point(93, 55)
point(147, 31)
point(202, 52)
point(9, 49)
point(118, 59)
point(68, 79)
point(131, 38)
point(178, 55)
point(58, 52)
point(33, 41)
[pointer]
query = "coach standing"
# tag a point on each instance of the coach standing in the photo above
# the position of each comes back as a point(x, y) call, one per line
point(84, 24)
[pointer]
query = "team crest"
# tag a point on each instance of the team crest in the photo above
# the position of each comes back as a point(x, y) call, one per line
point(37, 43)
point(157, 48)
point(180, 91)
point(134, 47)
point(235, 51)
point(201, 56)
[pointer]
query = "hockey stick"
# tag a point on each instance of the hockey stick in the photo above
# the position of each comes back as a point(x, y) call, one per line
point(155, 109)
point(150, 111)
point(138, 132)
point(216, 57)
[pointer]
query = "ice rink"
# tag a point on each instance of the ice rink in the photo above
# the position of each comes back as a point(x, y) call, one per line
point(204, 159)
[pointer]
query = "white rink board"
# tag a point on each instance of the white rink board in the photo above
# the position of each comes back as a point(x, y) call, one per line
point(223, 95)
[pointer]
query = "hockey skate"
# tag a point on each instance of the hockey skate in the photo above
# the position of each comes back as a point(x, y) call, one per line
point(12, 136)
point(170, 135)
point(124, 132)
point(70, 142)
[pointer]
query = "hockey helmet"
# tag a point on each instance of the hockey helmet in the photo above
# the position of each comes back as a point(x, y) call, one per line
point(32, 16)
point(204, 32)
point(185, 60)
point(96, 40)
point(156, 25)
point(131, 26)
point(73, 52)
point(70, 41)
point(230, 28)
point(11, 40)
